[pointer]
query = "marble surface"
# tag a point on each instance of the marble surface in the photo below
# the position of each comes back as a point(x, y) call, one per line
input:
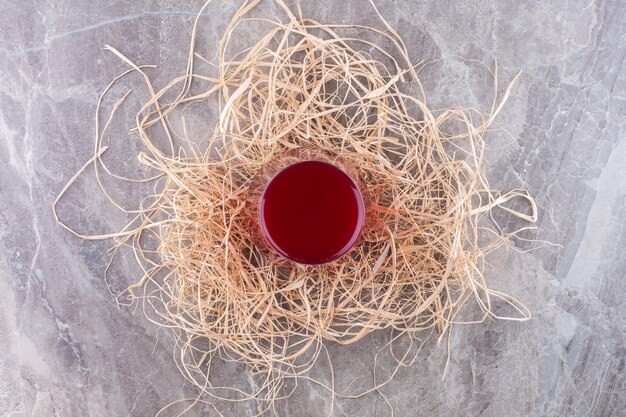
point(66, 349)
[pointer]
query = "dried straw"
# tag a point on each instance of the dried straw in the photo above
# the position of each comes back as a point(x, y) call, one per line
point(305, 86)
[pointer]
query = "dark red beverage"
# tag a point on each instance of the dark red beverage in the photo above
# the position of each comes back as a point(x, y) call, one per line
point(312, 212)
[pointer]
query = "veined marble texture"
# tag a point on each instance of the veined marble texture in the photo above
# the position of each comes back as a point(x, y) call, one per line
point(66, 349)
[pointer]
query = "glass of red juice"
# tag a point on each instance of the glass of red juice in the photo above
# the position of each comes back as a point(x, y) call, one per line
point(309, 210)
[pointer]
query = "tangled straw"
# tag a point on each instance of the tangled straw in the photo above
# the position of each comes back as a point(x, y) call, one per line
point(305, 88)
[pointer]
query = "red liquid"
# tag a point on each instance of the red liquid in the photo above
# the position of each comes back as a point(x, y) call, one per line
point(312, 212)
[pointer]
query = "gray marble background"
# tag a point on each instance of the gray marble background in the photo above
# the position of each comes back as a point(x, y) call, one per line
point(66, 349)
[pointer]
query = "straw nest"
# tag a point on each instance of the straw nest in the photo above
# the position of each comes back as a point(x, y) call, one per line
point(303, 87)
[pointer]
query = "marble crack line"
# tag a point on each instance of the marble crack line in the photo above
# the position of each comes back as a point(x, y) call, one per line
point(30, 178)
point(49, 39)
point(34, 273)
